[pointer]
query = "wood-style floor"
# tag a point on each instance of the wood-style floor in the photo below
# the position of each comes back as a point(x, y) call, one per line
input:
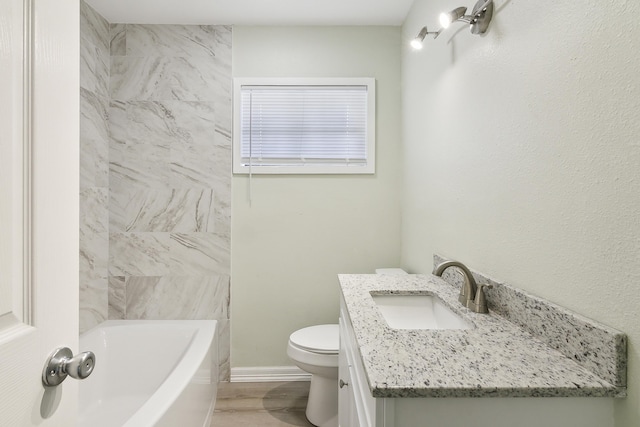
point(271, 404)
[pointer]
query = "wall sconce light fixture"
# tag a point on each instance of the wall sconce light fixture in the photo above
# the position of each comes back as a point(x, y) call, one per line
point(478, 21)
point(417, 42)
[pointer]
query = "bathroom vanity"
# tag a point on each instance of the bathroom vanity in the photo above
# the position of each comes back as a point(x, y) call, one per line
point(492, 373)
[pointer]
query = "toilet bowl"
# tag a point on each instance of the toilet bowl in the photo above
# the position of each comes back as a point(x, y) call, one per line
point(315, 350)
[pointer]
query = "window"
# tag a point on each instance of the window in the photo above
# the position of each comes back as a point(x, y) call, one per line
point(304, 126)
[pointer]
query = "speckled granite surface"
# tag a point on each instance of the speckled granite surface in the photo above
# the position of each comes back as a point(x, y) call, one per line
point(496, 358)
point(597, 347)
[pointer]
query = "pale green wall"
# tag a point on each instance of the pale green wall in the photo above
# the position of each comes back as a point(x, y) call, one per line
point(301, 231)
point(522, 156)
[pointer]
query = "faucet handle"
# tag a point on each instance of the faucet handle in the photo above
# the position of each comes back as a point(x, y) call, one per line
point(480, 303)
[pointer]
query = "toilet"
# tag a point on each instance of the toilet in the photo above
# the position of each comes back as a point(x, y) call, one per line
point(315, 350)
point(391, 271)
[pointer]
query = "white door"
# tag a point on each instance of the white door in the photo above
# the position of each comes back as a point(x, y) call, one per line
point(39, 111)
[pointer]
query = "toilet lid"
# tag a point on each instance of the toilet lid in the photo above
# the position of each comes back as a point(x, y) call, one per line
point(318, 339)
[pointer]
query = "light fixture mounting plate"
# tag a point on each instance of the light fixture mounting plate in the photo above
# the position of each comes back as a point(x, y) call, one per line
point(481, 16)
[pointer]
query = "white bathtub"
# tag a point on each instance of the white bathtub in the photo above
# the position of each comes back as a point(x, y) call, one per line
point(150, 373)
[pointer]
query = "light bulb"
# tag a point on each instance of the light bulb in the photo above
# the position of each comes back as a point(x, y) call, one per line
point(417, 42)
point(445, 20)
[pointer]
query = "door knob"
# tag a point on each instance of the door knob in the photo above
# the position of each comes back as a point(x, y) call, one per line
point(62, 362)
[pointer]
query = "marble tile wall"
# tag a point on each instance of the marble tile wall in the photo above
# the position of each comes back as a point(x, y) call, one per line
point(94, 167)
point(170, 174)
point(155, 135)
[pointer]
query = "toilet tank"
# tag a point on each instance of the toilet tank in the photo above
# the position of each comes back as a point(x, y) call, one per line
point(391, 271)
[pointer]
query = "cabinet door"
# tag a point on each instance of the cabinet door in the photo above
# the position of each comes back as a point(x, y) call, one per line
point(358, 408)
point(344, 378)
point(354, 417)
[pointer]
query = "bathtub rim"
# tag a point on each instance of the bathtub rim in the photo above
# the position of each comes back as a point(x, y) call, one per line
point(182, 374)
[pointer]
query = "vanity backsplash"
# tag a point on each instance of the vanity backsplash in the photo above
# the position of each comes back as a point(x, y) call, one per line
point(594, 346)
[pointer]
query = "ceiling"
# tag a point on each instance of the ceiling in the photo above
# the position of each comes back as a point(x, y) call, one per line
point(254, 12)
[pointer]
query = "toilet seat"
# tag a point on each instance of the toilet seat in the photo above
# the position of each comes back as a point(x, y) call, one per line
point(321, 339)
point(315, 351)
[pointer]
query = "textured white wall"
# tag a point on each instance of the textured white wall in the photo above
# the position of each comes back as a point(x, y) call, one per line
point(301, 231)
point(522, 156)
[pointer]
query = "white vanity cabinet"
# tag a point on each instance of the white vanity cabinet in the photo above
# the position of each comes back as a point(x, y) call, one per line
point(358, 408)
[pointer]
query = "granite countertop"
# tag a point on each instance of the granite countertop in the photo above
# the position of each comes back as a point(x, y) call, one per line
point(495, 358)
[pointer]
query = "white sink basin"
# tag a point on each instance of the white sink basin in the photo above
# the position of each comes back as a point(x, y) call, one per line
point(418, 311)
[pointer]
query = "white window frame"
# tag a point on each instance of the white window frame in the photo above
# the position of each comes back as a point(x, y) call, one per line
point(368, 168)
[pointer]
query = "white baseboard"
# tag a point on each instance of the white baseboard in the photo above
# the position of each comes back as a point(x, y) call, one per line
point(261, 374)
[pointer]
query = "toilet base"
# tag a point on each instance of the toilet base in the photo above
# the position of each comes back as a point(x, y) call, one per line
point(333, 422)
point(322, 405)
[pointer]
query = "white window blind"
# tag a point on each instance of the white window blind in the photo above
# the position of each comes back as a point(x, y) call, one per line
point(304, 128)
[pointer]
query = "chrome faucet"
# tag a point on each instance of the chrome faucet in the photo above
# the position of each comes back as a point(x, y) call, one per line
point(471, 295)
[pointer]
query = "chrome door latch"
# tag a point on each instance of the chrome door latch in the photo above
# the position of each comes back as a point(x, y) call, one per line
point(62, 363)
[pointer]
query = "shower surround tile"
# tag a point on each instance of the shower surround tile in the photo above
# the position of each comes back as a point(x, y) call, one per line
point(222, 136)
point(139, 150)
point(163, 122)
point(118, 45)
point(94, 140)
point(169, 154)
point(94, 167)
point(199, 253)
point(93, 303)
point(116, 298)
point(94, 28)
point(102, 63)
point(93, 116)
point(224, 349)
point(87, 67)
point(94, 213)
point(171, 40)
point(177, 297)
point(94, 252)
point(132, 153)
point(94, 51)
point(94, 70)
point(224, 36)
point(142, 173)
point(162, 210)
point(201, 166)
point(139, 254)
point(162, 78)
